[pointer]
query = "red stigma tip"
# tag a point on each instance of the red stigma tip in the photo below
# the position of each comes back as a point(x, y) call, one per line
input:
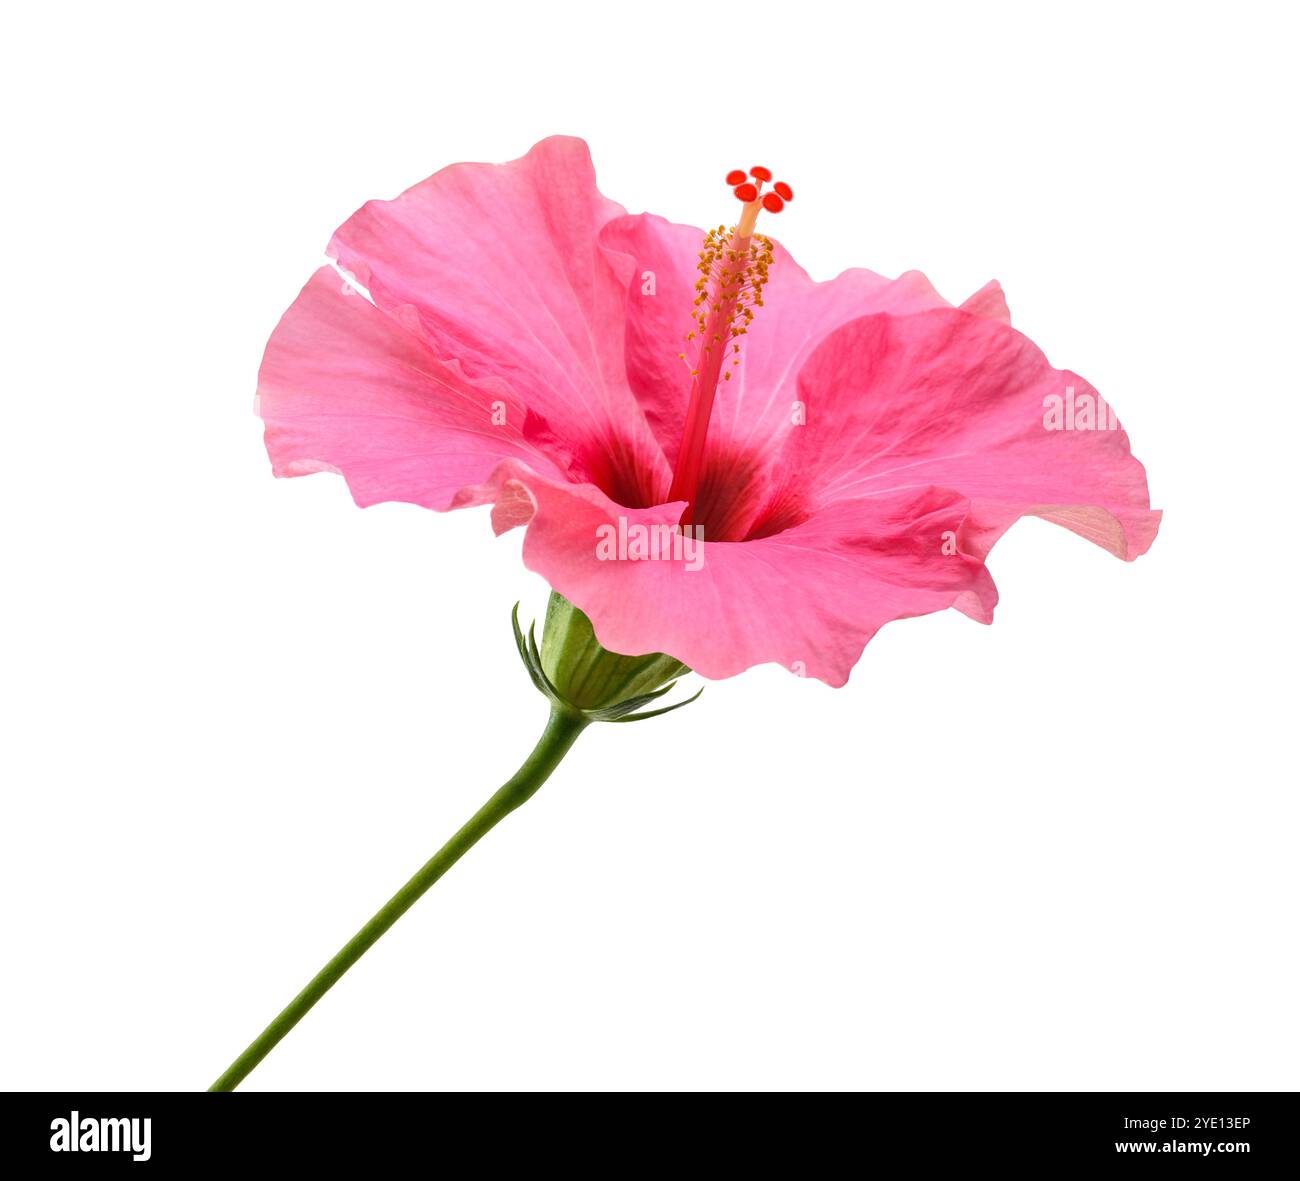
point(785, 191)
point(772, 203)
point(758, 172)
point(746, 193)
point(736, 176)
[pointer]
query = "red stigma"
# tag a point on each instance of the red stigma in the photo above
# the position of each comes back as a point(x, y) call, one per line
point(749, 192)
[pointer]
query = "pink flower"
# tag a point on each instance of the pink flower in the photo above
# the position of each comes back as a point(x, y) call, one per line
point(525, 349)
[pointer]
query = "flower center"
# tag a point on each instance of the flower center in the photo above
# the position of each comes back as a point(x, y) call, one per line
point(733, 271)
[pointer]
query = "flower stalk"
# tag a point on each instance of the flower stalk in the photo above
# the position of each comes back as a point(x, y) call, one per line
point(562, 730)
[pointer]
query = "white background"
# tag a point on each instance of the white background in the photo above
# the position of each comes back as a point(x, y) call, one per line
point(1057, 853)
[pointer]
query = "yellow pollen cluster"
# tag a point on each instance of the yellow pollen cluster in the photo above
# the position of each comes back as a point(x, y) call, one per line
point(728, 290)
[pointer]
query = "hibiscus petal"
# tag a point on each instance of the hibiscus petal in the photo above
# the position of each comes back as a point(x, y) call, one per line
point(808, 598)
point(345, 388)
point(498, 266)
point(656, 261)
point(948, 399)
point(798, 313)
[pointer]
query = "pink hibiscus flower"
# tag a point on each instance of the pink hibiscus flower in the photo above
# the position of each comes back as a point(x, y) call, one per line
point(848, 451)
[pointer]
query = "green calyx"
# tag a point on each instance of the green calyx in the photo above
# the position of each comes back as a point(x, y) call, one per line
point(572, 669)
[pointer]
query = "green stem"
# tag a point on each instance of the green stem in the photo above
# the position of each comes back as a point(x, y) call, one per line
point(562, 730)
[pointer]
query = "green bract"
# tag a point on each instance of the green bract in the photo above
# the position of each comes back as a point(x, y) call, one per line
point(573, 669)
